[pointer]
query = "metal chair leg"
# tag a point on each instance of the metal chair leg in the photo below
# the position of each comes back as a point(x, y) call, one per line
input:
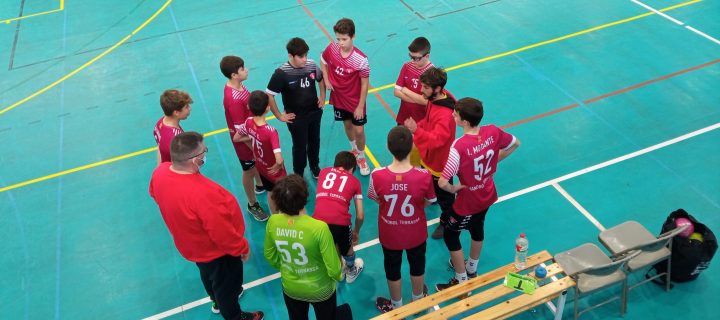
point(577, 299)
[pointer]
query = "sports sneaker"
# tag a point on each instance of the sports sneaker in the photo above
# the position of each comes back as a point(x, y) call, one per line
point(257, 315)
point(439, 232)
point(259, 189)
point(258, 212)
point(213, 308)
point(443, 286)
point(470, 275)
point(383, 304)
point(315, 172)
point(352, 273)
point(363, 165)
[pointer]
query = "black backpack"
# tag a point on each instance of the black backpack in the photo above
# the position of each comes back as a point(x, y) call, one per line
point(689, 257)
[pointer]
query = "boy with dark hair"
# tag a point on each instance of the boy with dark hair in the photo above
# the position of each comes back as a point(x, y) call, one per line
point(176, 106)
point(410, 78)
point(265, 143)
point(235, 103)
point(346, 71)
point(435, 132)
point(205, 222)
point(301, 247)
point(473, 158)
point(403, 192)
point(337, 187)
point(295, 81)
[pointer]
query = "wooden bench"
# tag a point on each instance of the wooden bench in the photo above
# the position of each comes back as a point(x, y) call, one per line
point(551, 288)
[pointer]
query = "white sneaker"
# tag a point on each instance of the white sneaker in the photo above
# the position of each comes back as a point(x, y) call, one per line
point(364, 168)
point(352, 273)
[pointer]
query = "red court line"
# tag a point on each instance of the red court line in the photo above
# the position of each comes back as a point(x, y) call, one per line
point(330, 38)
point(607, 95)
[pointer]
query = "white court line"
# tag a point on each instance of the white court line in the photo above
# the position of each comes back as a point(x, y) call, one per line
point(676, 21)
point(578, 206)
point(501, 199)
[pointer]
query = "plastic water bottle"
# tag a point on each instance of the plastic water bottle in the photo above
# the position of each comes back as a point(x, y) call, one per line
point(521, 249)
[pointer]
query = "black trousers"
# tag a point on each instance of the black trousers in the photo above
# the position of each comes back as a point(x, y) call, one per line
point(445, 199)
point(222, 279)
point(298, 310)
point(305, 134)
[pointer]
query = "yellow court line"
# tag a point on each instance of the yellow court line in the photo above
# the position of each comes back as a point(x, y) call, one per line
point(62, 7)
point(93, 60)
point(370, 155)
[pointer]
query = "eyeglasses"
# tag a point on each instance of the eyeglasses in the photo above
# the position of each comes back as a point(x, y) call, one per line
point(414, 58)
point(204, 151)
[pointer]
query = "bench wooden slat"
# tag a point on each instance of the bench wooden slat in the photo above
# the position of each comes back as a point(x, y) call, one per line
point(483, 297)
point(455, 291)
point(524, 302)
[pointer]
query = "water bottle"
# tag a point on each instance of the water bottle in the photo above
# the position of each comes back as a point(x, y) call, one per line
point(521, 249)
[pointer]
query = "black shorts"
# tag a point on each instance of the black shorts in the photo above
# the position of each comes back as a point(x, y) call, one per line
point(455, 223)
point(393, 261)
point(247, 164)
point(342, 115)
point(342, 236)
point(267, 184)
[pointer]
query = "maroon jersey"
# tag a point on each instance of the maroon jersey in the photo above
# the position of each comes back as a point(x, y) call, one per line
point(236, 112)
point(163, 137)
point(401, 220)
point(410, 78)
point(474, 158)
point(266, 143)
point(336, 189)
point(344, 75)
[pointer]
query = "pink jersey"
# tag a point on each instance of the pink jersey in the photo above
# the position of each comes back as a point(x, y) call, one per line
point(336, 189)
point(163, 137)
point(474, 158)
point(401, 220)
point(236, 112)
point(266, 143)
point(410, 78)
point(344, 75)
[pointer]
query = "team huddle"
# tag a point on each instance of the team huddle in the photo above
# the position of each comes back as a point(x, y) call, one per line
point(313, 251)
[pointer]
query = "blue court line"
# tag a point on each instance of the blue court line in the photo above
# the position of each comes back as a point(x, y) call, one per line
point(537, 73)
point(256, 256)
point(24, 279)
point(58, 215)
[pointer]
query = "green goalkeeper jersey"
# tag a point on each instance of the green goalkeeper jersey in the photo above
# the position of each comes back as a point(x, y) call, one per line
point(302, 248)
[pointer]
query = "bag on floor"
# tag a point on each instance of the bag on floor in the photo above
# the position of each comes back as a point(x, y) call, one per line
point(690, 255)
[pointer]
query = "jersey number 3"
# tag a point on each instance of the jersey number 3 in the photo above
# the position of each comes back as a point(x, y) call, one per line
point(287, 257)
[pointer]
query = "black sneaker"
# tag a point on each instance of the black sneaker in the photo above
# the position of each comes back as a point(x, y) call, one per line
point(443, 286)
point(259, 189)
point(258, 212)
point(214, 308)
point(470, 275)
point(439, 232)
point(315, 172)
point(257, 315)
point(383, 304)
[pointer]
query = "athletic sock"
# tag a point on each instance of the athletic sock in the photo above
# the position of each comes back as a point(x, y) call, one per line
point(471, 265)
point(396, 304)
point(349, 261)
point(461, 277)
point(417, 297)
point(353, 144)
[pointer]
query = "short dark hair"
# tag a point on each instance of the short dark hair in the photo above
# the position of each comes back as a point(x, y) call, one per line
point(230, 65)
point(470, 110)
point(297, 47)
point(434, 77)
point(345, 26)
point(420, 45)
point(174, 100)
point(184, 146)
point(290, 194)
point(345, 160)
point(400, 142)
point(258, 102)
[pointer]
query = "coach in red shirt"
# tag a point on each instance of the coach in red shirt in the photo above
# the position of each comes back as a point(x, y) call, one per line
point(205, 222)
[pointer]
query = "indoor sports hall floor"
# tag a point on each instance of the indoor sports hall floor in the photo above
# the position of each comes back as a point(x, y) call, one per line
point(617, 108)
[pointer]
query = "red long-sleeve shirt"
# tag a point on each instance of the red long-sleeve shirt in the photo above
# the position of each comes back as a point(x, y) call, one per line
point(204, 219)
point(435, 134)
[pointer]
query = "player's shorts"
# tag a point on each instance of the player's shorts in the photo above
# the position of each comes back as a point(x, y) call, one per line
point(393, 261)
point(454, 223)
point(268, 185)
point(247, 164)
point(342, 236)
point(342, 115)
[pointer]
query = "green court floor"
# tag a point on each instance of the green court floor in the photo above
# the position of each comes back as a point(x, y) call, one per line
point(614, 103)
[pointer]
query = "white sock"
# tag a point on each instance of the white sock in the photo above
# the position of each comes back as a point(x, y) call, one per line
point(461, 277)
point(361, 154)
point(471, 266)
point(417, 297)
point(353, 145)
point(396, 304)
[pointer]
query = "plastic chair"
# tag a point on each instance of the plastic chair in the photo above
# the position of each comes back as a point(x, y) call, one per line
point(631, 235)
point(593, 270)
